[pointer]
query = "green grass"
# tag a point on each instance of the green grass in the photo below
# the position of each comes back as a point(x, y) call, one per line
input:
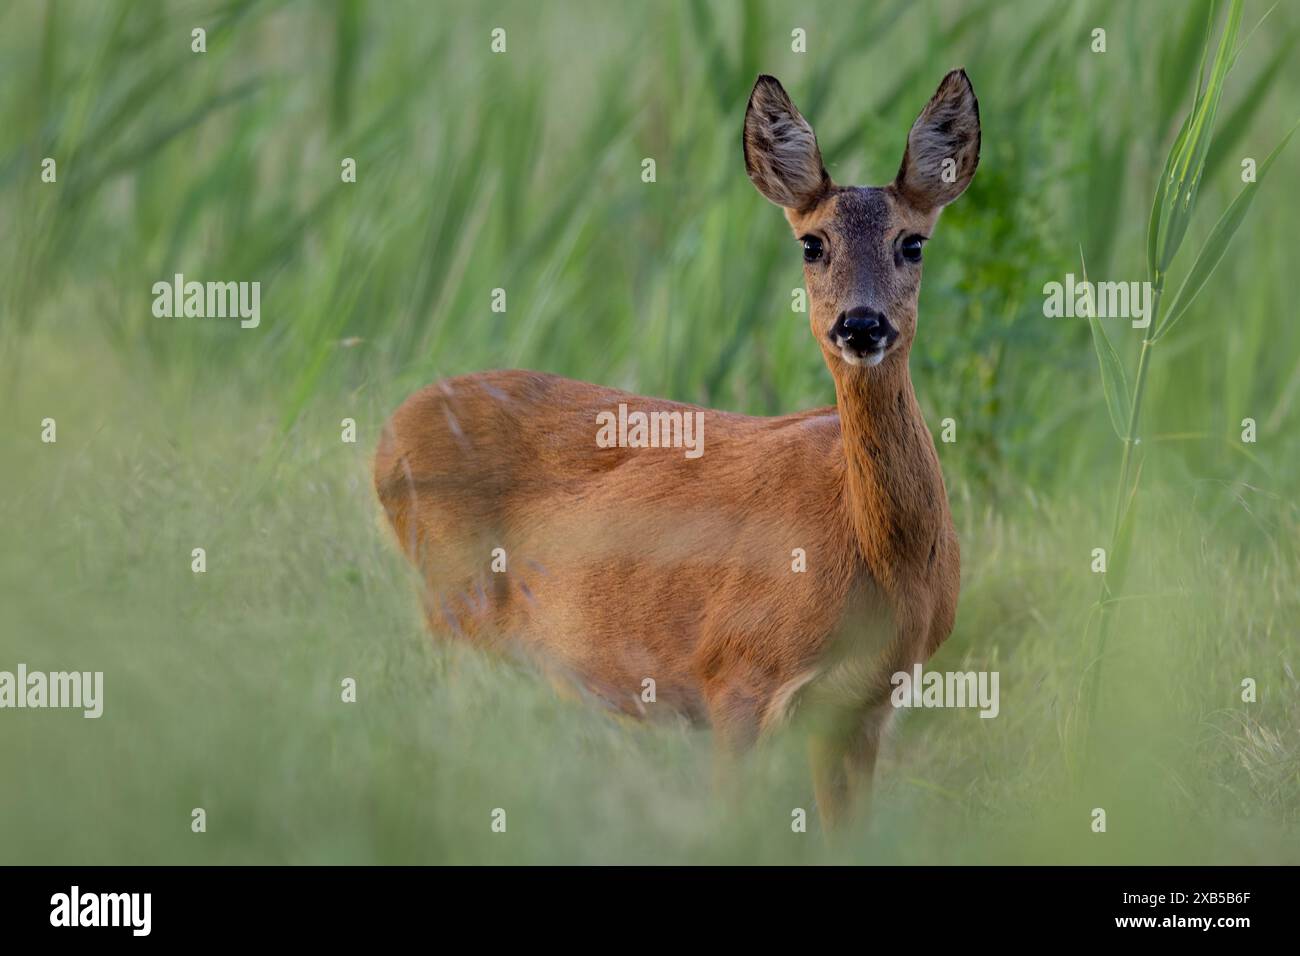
point(523, 171)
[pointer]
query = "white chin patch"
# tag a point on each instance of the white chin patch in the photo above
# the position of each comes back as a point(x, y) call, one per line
point(862, 361)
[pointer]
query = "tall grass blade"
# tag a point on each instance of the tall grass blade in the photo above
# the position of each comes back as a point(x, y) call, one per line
point(1176, 61)
point(1217, 243)
point(1159, 208)
point(1234, 128)
point(1181, 190)
point(1114, 383)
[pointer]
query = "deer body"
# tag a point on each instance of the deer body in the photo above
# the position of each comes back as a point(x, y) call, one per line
point(623, 565)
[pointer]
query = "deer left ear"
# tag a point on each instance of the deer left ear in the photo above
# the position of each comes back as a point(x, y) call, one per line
point(943, 147)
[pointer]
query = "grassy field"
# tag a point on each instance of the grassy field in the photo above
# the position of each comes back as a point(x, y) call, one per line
point(522, 171)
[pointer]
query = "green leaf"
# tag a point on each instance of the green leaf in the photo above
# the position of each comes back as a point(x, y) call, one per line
point(1159, 208)
point(1217, 243)
point(1177, 55)
point(1114, 383)
point(1234, 127)
point(1246, 42)
point(1185, 180)
point(1190, 163)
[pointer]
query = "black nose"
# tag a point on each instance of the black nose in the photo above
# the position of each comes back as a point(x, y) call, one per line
point(864, 329)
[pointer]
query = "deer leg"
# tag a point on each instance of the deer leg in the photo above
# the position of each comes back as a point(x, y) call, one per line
point(860, 757)
point(826, 754)
point(843, 757)
point(735, 718)
point(736, 731)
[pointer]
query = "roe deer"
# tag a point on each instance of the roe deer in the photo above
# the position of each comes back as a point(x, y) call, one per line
point(622, 564)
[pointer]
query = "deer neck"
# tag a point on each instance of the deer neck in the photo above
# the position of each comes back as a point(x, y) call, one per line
point(893, 489)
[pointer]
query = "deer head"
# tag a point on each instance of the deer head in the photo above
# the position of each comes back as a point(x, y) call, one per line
point(862, 246)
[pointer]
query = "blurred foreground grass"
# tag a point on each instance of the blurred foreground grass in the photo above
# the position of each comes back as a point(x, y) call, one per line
point(522, 171)
point(222, 689)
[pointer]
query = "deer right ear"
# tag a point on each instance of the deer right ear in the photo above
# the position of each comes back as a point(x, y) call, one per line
point(781, 154)
point(943, 147)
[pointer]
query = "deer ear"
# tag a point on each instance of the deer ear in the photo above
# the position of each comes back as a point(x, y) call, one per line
point(781, 154)
point(943, 147)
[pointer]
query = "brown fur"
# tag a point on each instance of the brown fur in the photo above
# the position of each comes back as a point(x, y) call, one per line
point(626, 564)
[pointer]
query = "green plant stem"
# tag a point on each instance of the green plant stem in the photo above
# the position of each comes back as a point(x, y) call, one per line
point(1122, 494)
point(1130, 438)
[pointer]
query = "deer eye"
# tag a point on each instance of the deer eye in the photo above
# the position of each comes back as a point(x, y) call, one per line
point(911, 248)
point(812, 248)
